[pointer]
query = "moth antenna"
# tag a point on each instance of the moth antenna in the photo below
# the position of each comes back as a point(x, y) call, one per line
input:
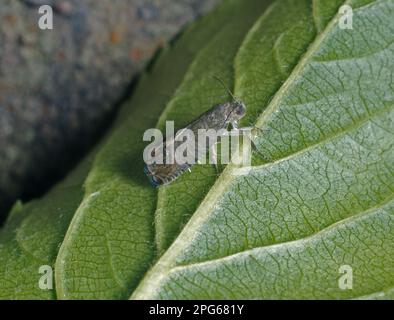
point(224, 86)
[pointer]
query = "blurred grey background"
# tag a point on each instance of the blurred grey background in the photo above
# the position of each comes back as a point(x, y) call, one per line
point(60, 87)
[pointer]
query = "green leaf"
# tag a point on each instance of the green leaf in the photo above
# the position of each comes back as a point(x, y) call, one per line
point(115, 222)
point(32, 237)
point(319, 200)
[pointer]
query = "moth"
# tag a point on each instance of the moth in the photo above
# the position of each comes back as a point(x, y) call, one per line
point(218, 117)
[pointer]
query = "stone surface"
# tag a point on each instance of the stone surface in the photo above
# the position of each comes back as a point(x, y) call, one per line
point(58, 86)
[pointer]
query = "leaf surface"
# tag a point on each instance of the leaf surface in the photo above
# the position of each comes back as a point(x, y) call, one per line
point(318, 198)
point(324, 197)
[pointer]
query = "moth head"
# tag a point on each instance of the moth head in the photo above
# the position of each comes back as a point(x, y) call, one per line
point(238, 109)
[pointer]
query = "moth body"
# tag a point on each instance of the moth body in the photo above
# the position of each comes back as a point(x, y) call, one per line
point(218, 117)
